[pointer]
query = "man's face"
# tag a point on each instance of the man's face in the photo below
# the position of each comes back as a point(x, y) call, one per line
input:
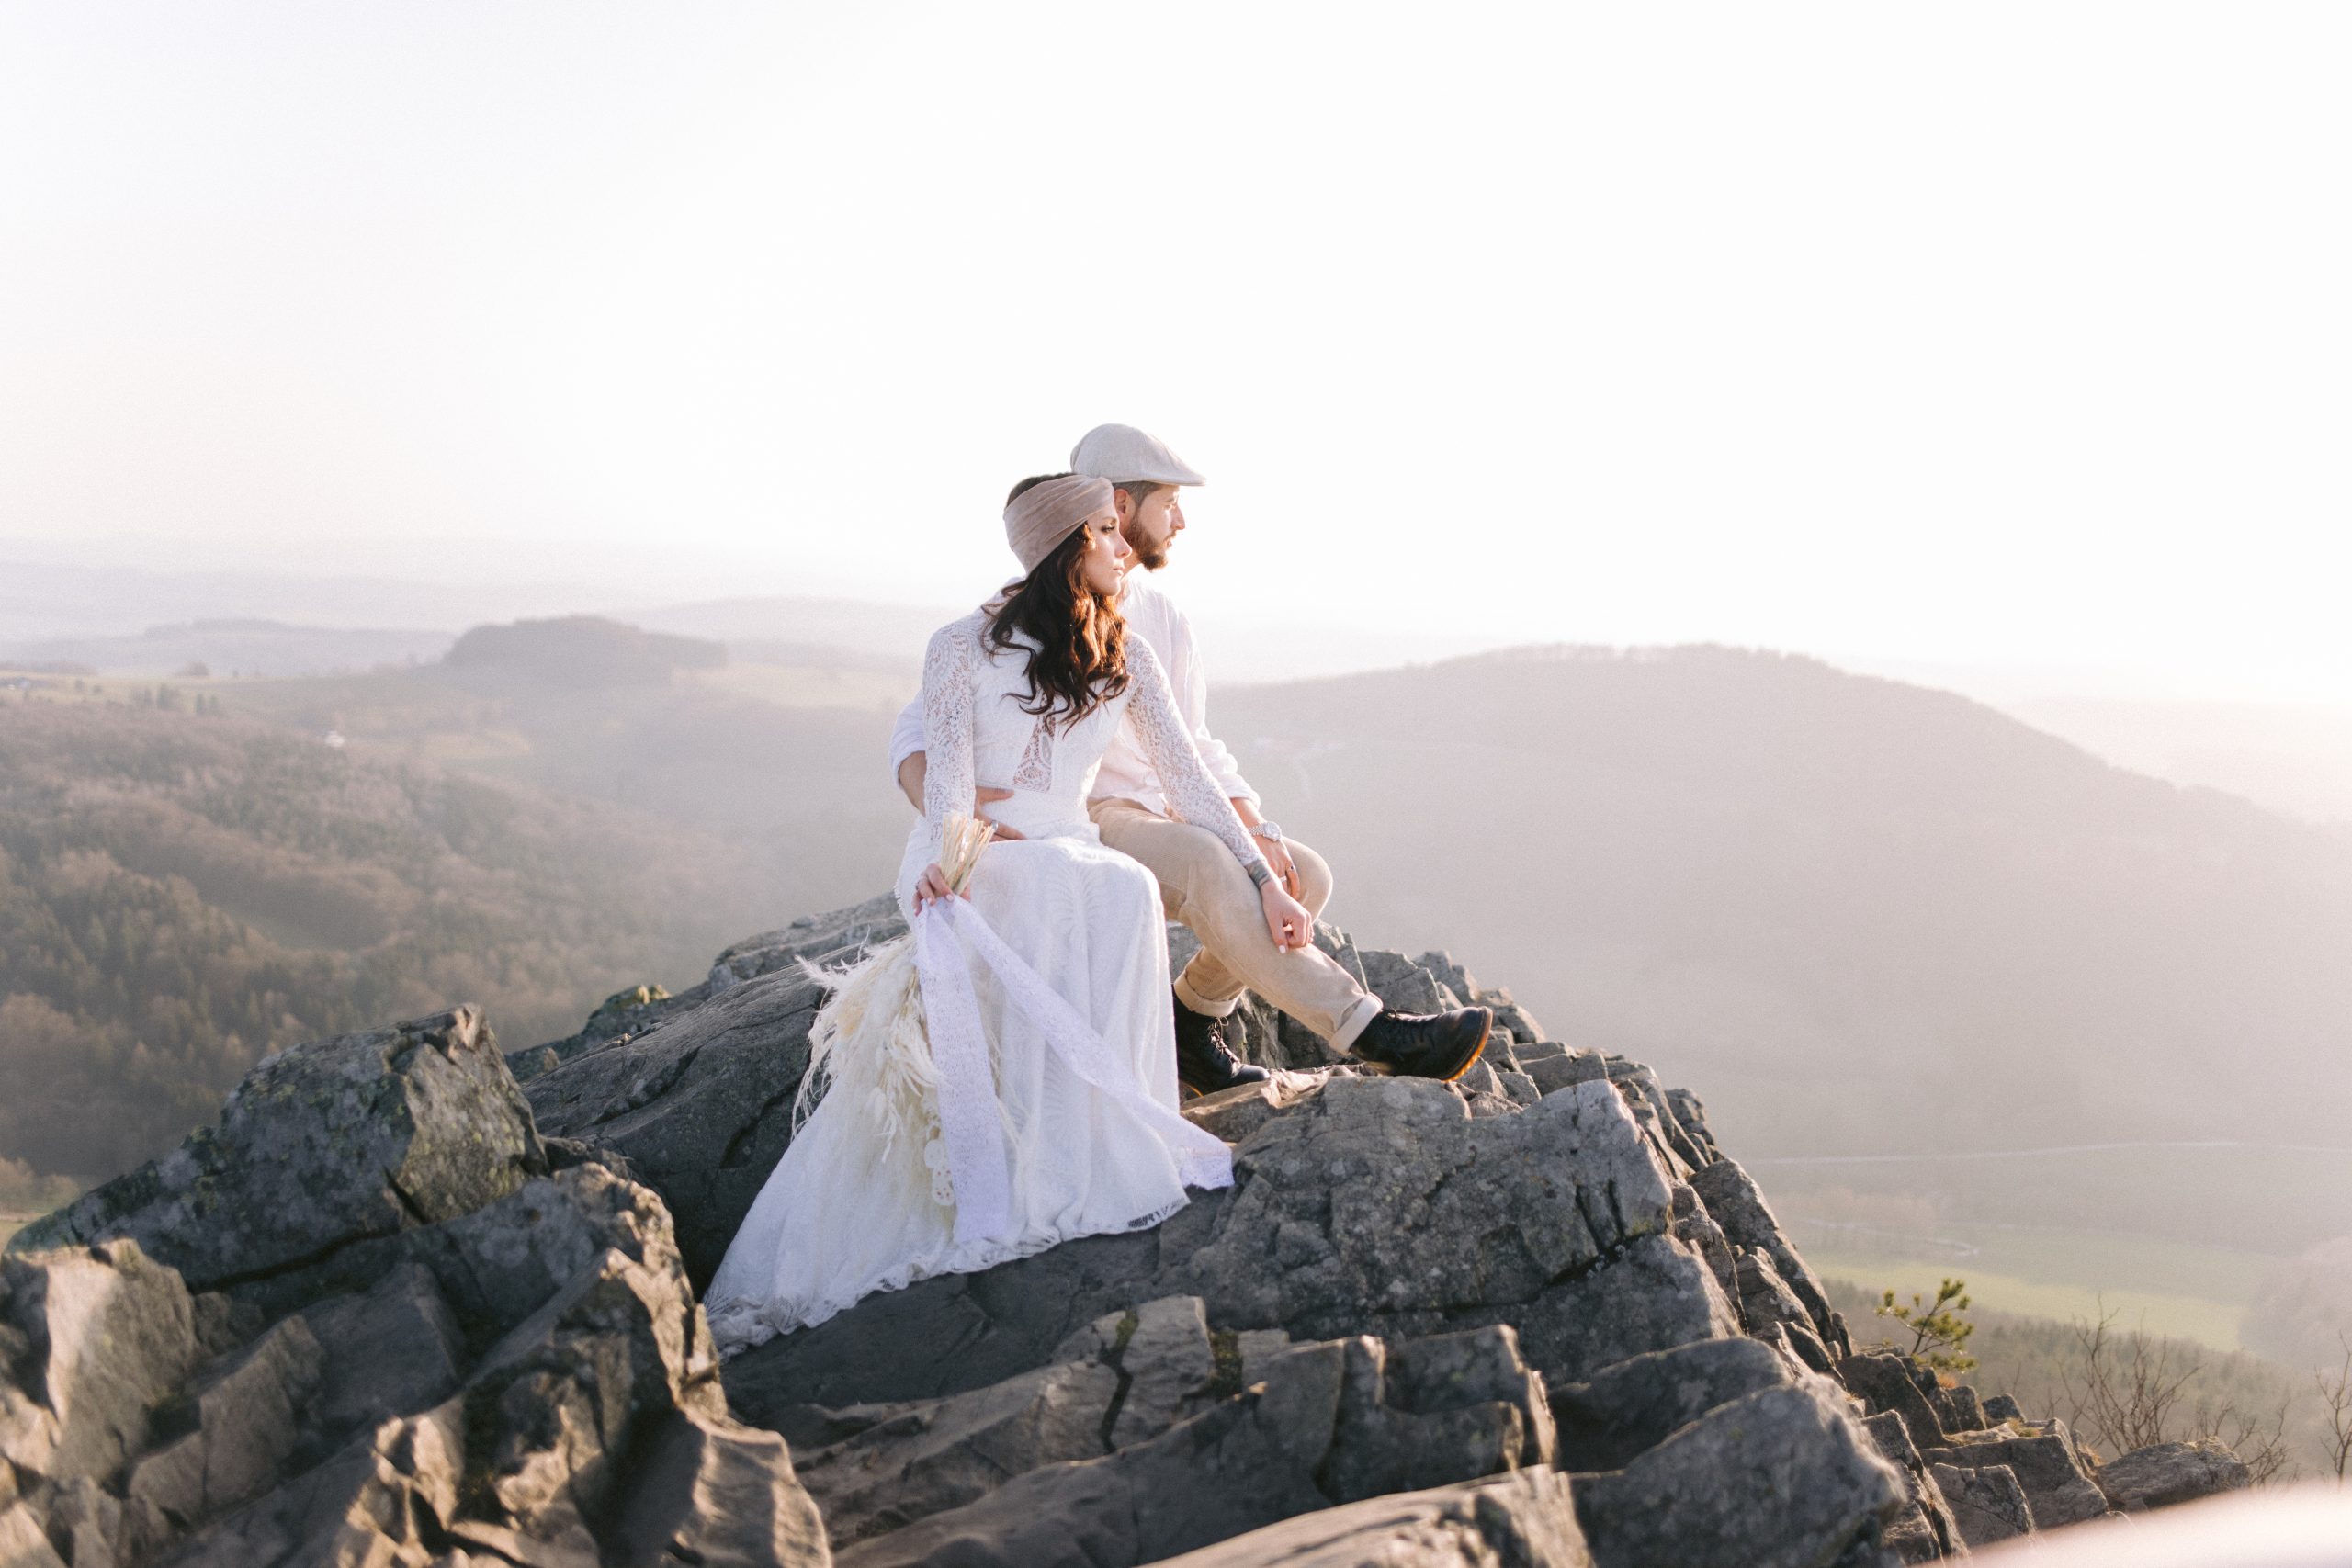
point(1152, 524)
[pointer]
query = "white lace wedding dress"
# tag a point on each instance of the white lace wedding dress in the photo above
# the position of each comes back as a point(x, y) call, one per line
point(851, 1208)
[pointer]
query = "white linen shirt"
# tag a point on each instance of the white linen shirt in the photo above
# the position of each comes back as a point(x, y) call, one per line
point(1126, 773)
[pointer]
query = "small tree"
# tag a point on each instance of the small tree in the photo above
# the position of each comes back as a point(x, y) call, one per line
point(2336, 1403)
point(1938, 1334)
point(2130, 1388)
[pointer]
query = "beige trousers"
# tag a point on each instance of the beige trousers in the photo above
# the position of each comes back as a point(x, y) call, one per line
point(1201, 886)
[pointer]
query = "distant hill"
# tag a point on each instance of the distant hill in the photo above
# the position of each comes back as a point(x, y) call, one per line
point(181, 892)
point(1871, 917)
point(579, 652)
point(233, 647)
point(2295, 758)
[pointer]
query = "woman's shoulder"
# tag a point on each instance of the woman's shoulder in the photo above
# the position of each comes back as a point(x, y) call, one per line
point(961, 635)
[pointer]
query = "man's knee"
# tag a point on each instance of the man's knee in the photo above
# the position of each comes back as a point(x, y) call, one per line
point(1313, 878)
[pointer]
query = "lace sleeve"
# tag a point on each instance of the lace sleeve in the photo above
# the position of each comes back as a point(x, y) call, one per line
point(1191, 790)
point(948, 667)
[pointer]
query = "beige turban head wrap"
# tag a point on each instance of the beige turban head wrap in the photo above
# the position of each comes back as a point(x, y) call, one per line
point(1042, 516)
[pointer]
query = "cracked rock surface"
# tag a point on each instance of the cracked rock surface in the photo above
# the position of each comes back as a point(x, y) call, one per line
point(393, 1310)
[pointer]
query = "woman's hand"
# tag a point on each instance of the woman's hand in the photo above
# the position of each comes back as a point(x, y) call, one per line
point(931, 886)
point(1287, 921)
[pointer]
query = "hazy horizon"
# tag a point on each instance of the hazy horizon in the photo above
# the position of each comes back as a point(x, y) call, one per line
point(2000, 340)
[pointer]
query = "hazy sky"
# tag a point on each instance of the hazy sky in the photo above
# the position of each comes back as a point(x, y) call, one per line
point(1997, 333)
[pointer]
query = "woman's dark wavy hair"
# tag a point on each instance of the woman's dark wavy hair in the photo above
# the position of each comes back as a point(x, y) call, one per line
point(1081, 659)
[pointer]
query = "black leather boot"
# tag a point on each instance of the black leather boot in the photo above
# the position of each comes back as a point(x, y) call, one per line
point(1440, 1045)
point(1204, 1063)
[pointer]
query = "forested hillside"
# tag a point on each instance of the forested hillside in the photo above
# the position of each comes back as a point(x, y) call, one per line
point(1873, 919)
point(180, 893)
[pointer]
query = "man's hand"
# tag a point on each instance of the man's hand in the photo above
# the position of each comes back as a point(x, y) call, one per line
point(1277, 853)
point(1287, 921)
point(911, 774)
point(984, 798)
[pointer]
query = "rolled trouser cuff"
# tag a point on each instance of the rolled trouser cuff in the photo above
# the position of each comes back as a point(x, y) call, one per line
point(1200, 1004)
point(1352, 1023)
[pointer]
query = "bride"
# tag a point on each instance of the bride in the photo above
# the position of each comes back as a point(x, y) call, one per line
point(1083, 1136)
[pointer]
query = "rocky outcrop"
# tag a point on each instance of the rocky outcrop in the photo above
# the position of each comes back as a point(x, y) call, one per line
point(495, 1357)
point(1987, 1502)
point(700, 1107)
point(1523, 1520)
point(393, 1309)
point(322, 1148)
point(2165, 1473)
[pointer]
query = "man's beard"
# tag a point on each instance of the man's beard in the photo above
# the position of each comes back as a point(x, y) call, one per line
point(1152, 558)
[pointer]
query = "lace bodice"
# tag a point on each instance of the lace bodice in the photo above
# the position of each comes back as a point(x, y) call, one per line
point(975, 731)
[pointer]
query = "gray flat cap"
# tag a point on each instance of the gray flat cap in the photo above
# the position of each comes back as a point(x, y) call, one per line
point(1123, 452)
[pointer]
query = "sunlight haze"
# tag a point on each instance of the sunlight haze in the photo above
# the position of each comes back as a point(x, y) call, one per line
point(2011, 335)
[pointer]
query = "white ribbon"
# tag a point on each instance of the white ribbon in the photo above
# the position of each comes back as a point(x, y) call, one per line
point(972, 1128)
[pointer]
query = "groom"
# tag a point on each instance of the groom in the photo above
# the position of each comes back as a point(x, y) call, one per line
point(1201, 883)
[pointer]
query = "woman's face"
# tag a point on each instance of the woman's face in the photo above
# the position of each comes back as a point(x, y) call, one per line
point(1107, 552)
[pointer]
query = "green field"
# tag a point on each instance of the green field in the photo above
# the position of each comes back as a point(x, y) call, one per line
point(2181, 1289)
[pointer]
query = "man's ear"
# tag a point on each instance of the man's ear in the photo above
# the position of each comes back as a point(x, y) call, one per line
point(1126, 505)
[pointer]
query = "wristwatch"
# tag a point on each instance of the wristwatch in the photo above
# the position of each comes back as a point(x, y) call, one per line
point(1269, 831)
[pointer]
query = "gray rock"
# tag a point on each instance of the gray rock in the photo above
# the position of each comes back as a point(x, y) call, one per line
point(1696, 1229)
point(1234, 1113)
point(1463, 1372)
point(2057, 1490)
point(379, 1500)
point(1317, 1430)
point(835, 938)
point(1632, 1407)
point(1957, 1408)
point(498, 1264)
point(1733, 1198)
point(1927, 1530)
point(1161, 1356)
point(1988, 1505)
point(701, 1107)
point(1434, 1410)
point(1783, 1478)
point(323, 1145)
point(1690, 1115)
point(85, 1523)
point(1373, 1205)
point(1246, 1463)
point(1525, 1520)
point(1646, 1098)
point(241, 1421)
point(1123, 1379)
point(1376, 1447)
point(1765, 1298)
point(101, 1338)
point(1649, 1295)
point(1404, 985)
point(709, 1492)
point(2000, 1407)
point(911, 1461)
point(1356, 1205)
point(2165, 1473)
point(1566, 1070)
point(1802, 1345)
point(1884, 1380)
point(391, 1351)
point(622, 1015)
point(24, 1542)
point(590, 1428)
